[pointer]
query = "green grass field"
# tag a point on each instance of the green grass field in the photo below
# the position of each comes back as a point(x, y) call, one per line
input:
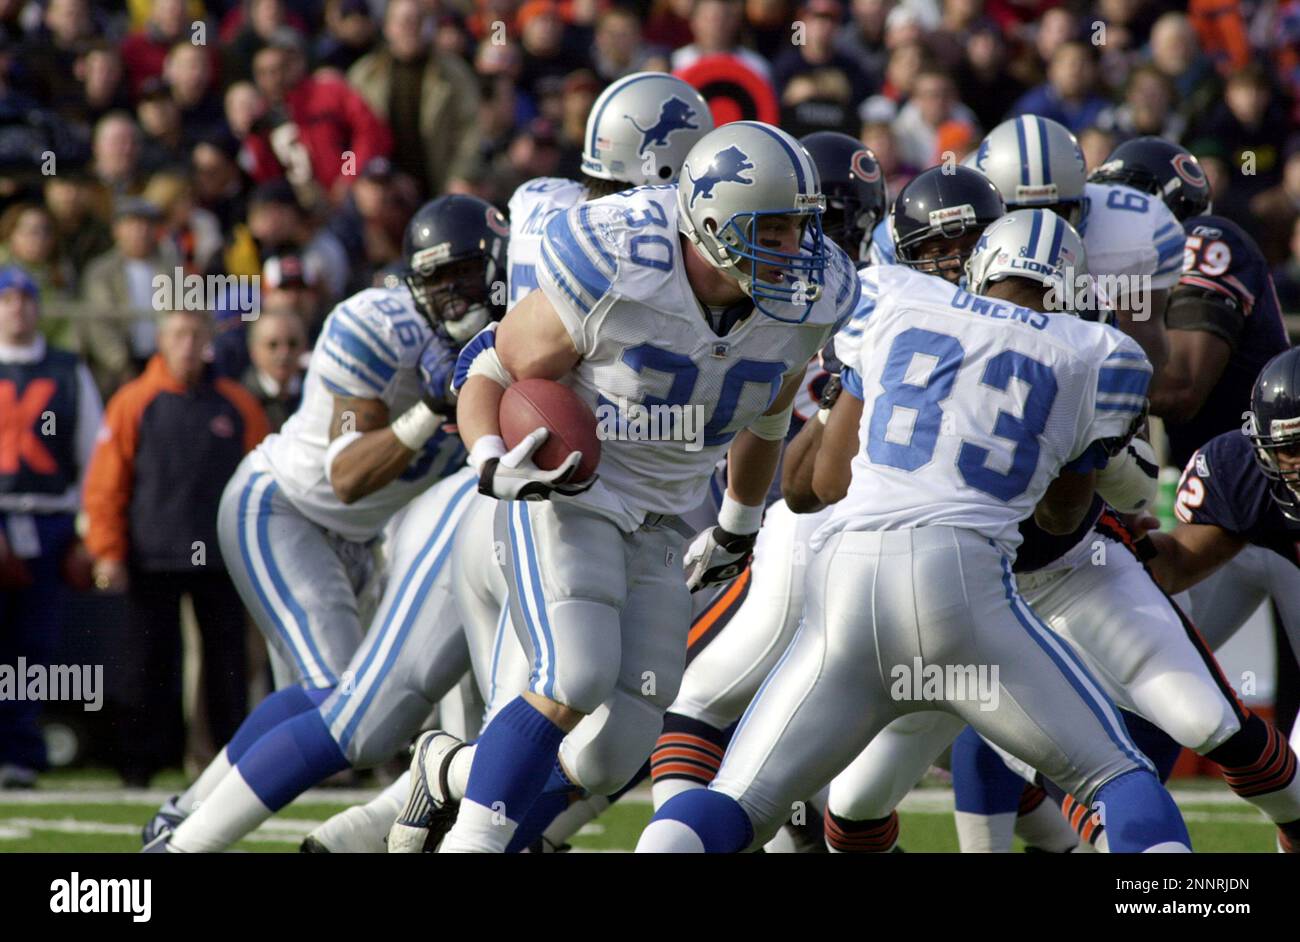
point(89, 813)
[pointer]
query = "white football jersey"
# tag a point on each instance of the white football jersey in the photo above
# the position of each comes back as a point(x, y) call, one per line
point(1127, 232)
point(369, 348)
point(971, 407)
point(531, 207)
point(669, 394)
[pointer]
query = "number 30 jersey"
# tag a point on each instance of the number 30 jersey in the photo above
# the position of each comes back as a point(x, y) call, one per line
point(971, 406)
point(668, 392)
point(369, 348)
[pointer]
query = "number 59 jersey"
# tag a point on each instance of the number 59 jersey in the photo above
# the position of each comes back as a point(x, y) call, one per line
point(971, 406)
point(668, 392)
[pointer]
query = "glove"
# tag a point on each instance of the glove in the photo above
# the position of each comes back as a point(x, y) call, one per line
point(717, 557)
point(437, 368)
point(513, 476)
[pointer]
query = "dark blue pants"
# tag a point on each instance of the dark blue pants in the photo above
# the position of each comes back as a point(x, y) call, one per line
point(30, 622)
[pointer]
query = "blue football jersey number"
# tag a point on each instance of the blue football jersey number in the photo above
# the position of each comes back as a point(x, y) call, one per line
point(684, 375)
point(1127, 199)
point(923, 399)
point(649, 249)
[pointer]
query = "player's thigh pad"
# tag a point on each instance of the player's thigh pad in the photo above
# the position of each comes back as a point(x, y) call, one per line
point(415, 652)
point(291, 578)
point(722, 679)
point(1047, 707)
point(892, 765)
point(1137, 645)
point(566, 569)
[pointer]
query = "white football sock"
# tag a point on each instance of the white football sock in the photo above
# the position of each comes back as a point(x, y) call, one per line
point(478, 830)
point(574, 818)
point(985, 833)
point(363, 829)
point(206, 783)
point(667, 788)
point(230, 812)
point(458, 772)
point(669, 837)
point(1046, 828)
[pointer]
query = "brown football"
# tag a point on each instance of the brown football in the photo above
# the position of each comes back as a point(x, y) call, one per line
point(533, 403)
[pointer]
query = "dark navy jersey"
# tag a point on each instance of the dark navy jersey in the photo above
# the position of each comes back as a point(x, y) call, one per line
point(1224, 487)
point(1226, 290)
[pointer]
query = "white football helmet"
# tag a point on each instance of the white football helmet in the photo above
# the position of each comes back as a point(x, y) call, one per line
point(641, 128)
point(1036, 244)
point(734, 176)
point(1034, 161)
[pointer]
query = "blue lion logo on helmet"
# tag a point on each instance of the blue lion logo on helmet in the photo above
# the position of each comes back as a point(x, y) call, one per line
point(674, 115)
point(727, 167)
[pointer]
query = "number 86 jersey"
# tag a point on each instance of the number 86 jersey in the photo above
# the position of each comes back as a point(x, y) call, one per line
point(971, 406)
point(669, 393)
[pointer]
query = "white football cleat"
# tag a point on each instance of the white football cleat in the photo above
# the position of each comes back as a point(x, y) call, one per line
point(355, 830)
point(430, 810)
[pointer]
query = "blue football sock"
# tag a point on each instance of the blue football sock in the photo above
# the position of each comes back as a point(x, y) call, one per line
point(1138, 813)
point(270, 713)
point(981, 782)
point(555, 797)
point(291, 758)
point(513, 760)
point(717, 819)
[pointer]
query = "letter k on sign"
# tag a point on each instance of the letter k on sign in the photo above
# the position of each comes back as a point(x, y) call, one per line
point(18, 418)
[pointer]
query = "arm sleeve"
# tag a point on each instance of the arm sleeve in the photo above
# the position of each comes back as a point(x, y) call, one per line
point(1120, 390)
point(576, 270)
point(356, 357)
point(110, 477)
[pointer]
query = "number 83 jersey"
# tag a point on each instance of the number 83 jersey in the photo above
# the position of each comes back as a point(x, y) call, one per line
point(971, 406)
point(669, 393)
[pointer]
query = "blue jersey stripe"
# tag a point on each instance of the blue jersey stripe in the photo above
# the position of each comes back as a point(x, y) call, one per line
point(354, 320)
point(568, 254)
point(1164, 230)
point(1121, 379)
point(369, 381)
point(558, 277)
point(360, 351)
point(1108, 407)
point(851, 381)
point(1125, 355)
point(1170, 247)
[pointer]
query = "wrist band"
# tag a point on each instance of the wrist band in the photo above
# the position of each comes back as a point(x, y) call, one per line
point(485, 449)
point(738, 518)
point(415, 426)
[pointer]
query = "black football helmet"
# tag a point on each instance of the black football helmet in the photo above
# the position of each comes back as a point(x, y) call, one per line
point(1273, 426)
point(854, 187)
point(1154, 165)
point(455, 252)
point(943, 203)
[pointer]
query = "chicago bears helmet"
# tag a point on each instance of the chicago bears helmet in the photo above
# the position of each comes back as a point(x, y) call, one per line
point(455, 252)
point(733, 178)
point(641, 128)
point(854, 187)
point(1154, 165)
point(1273, 426)
point(942, 204)
point(1035, 161)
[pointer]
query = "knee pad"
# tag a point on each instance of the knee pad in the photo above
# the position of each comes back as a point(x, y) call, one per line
point(1203, 720)
point(611, 745)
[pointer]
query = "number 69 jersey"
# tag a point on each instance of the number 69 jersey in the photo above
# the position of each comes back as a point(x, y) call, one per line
point(971, 406)
point(369, 348)
point(668, 392)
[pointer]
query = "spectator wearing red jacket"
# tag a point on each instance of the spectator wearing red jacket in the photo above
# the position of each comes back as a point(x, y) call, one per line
point(317, 129)
point(145, 50)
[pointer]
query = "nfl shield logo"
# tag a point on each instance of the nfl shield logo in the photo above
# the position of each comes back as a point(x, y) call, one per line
point(719, 351)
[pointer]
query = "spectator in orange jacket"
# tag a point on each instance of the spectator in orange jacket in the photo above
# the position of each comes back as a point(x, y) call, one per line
point(171, 439)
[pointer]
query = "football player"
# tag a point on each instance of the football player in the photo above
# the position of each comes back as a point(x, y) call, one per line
point(915, 459)
point(638, 133)
point(712, 295)
point(301, 514)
